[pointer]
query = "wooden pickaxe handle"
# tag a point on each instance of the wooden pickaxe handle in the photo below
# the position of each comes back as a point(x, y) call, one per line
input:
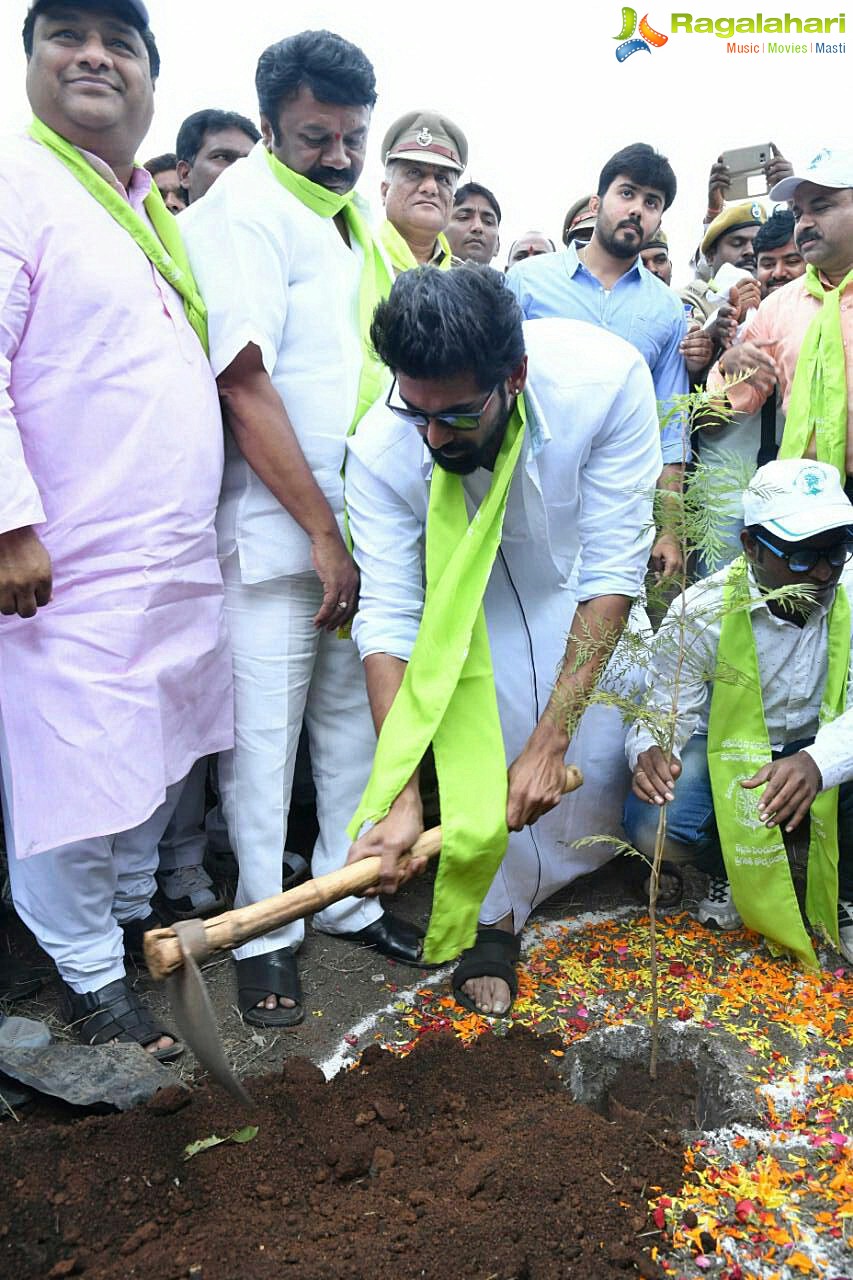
point(163, 952)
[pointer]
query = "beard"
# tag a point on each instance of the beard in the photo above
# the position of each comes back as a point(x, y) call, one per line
point(619, 248)
point(463, 457)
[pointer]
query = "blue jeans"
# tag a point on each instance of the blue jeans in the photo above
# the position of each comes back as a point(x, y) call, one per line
point(691, 827)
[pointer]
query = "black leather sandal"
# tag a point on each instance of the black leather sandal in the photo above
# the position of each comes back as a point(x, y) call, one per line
point(115, 1012)
point(494, 955)
point(273, 974)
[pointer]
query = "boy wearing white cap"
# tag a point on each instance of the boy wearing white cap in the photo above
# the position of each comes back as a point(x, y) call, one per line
point(763, 737)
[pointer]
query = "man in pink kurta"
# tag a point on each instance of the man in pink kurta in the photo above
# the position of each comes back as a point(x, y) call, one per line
point(770, 345)
point(111, 453)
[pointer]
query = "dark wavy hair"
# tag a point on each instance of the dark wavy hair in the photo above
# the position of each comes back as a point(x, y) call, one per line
point(776, 231)
point(643, 165)
point(210, 120)
point(437, 324)
point(332, 68)
point(126, 13)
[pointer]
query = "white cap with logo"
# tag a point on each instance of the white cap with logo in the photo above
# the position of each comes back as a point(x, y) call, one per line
point(796, 498)
point(831, 167)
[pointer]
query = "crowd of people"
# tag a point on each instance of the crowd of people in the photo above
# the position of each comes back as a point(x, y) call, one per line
point(289, 494)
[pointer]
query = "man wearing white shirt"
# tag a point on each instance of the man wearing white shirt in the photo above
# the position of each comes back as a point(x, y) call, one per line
point(798, 533)
point(284, 257)
point(573, 544)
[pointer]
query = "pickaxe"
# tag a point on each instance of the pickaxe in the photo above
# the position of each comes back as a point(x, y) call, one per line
point(174, 953)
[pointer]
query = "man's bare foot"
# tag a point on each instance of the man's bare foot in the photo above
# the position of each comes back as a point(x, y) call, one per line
point(494, 953)
point(165, 1042)
point(273, 1002)
point(490, 995)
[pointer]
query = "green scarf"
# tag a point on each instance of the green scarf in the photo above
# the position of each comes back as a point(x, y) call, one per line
point(817, 405)
point(164, 250)
point(448, 698)
point(738, 745)
point(402, 258)
point(375, 283)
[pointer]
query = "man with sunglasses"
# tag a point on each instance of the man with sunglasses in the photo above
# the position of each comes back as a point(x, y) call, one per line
point(499, 501)
point(733, 797)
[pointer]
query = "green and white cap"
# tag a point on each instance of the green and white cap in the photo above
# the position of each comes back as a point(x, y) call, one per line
point(797, 498)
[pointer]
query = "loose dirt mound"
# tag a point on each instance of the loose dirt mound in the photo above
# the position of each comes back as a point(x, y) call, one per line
point(449, 1163)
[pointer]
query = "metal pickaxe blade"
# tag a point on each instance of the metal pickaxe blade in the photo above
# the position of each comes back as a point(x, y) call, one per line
point(174, 953)
point(193, 1012)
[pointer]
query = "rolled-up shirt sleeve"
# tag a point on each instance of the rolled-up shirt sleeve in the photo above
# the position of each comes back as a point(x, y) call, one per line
point(20, 502)
point(617, 486)
point(243, 278)
point(387, 540)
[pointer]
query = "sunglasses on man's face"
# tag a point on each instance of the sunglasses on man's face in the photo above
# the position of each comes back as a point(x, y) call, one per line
point(804, 560)
point(418, 418)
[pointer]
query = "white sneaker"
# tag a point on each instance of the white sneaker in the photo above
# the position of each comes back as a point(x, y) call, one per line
point(717, 908)
point(188, 892)
point(845, 930)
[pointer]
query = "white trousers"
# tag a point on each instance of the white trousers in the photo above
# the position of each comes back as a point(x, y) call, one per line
point(286, 671)
point(542, 859)
point(74, 897)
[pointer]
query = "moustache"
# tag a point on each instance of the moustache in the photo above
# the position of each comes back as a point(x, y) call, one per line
point(332, 178)
point(629, 222)
point(808, 237)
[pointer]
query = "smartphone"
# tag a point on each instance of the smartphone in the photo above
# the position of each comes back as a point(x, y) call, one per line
point(747, 169)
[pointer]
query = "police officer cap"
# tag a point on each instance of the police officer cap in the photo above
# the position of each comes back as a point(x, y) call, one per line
point(748, 214)
point(427, 136)
point(578, 218)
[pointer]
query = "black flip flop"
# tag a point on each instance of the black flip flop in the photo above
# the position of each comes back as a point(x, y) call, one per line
point(273, 974)
point(494, 955)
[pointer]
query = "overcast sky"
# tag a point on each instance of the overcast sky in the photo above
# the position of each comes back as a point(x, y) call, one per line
point(535, 86)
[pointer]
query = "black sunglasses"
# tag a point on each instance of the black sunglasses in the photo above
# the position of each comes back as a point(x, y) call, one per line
point(454, 421)
point(804, 560)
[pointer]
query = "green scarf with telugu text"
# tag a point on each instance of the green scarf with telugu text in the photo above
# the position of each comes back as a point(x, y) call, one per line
point(448, 698)
point(738, 745)
point(402, 258)
point(817, 405)
point(375, 283)
point(163, 246)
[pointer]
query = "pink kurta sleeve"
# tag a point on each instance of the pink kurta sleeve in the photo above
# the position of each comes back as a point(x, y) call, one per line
point(20, 503)
point(744, 398)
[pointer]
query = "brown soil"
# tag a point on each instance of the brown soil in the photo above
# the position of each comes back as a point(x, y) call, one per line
point(449, 1163)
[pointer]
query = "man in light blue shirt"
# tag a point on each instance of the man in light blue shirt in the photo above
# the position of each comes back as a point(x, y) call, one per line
point(606, 284)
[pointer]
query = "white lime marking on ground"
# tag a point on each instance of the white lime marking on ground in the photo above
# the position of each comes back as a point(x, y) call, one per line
point(531, 937)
